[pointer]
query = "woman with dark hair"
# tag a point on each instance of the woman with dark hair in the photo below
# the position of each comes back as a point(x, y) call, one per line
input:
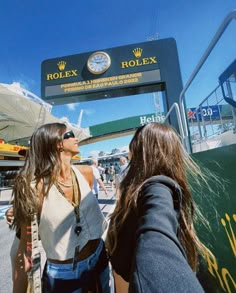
point(70, 222)
point(151, 239)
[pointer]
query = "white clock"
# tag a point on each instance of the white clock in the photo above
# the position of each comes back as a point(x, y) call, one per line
point(98, 62)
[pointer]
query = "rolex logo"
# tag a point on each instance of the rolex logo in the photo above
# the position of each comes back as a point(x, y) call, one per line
point(230, 231)
point(61, 65)
point(137, 52)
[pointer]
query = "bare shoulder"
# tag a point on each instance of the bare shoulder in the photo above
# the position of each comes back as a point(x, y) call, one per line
point(84, 168)
point(87, 172)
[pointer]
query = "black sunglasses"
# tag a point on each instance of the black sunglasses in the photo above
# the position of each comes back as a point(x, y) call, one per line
point(68, 134)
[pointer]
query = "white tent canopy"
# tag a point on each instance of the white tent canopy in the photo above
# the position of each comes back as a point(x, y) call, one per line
point(21, 112)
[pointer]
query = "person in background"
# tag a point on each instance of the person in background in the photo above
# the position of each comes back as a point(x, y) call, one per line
point(97, 181)
point(123, 171)
point(112, 175)
point(117, 168)
point(70, 220)
point(101, 171)
point(151, 239)
point(107, 176)
point(123, 167)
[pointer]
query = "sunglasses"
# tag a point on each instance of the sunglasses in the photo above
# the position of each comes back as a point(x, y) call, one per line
point(68, 134)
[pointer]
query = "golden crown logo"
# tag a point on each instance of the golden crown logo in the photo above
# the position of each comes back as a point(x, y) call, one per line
point(137, 52)
point(230, 231)
point(61, 65)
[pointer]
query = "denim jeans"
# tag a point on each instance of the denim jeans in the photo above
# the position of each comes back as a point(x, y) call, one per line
point(61, 278)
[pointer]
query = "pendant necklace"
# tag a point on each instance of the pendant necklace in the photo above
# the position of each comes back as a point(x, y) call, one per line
point(76, 204)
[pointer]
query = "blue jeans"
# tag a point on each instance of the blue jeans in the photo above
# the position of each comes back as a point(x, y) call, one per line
point(61, 278)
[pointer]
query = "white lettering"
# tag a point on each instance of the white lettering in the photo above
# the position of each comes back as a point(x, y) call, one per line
point(143, 120)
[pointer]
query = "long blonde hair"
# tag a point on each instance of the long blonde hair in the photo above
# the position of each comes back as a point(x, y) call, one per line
point(157, 150)
point(42, 164)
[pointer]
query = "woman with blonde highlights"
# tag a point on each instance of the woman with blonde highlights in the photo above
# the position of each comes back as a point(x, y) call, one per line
point(70, 222)
point(151, 239)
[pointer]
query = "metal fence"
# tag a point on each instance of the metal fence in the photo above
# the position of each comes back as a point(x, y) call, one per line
point(212, 123)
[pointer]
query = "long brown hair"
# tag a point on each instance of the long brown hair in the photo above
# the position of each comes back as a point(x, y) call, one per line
point(157, 150)
point(42, 164)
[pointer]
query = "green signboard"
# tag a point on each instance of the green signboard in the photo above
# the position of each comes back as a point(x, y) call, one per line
point(124, 124)
point(219, 208)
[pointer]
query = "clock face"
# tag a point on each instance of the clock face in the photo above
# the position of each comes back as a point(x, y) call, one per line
point(98, 62)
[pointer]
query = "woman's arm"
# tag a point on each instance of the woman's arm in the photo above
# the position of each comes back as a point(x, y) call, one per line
point(9, 216)
point(159, 263)
point(22, 261)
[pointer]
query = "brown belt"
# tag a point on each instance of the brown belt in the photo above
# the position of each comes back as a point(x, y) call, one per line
point(87, 250)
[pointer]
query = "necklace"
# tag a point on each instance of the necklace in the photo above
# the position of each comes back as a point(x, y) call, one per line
point(75, 202)
point(64, 183)
point(76, 191)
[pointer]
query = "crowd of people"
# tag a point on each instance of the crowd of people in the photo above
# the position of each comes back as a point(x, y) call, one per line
point(151, 243)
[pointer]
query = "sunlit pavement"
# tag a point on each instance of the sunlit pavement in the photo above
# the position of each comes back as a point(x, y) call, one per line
point(106, 204)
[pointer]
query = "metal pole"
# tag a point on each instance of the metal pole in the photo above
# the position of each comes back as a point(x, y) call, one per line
point(80, 118)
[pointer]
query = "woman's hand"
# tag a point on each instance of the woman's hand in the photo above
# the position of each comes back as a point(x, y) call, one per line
point(22, 263)
point(9, 216)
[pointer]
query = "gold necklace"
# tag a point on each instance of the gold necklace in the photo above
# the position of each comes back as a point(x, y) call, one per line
point(64, 184)
point(76, 192)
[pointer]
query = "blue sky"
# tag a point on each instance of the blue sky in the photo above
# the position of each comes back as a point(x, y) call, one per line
point(32, 31)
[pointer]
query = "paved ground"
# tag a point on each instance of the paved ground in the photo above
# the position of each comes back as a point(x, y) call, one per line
point(6, 236)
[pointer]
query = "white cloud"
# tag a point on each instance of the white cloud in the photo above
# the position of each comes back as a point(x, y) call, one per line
point(124, 148)
point(26, 83)
point(89, 111)
point(72, 106)
point(64, 119)
point(94, 153)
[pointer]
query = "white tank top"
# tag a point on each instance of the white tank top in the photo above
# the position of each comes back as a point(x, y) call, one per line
point(57, 221)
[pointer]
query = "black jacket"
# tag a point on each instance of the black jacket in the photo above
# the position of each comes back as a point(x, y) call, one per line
point(149, 255)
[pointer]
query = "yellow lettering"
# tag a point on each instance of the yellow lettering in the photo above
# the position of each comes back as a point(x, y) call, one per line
point(56, 75)
point(226, 273)
point(49, 76)
point(153, 60)
point(124, 64)
point(139, 62)
point(145, 61)
point(74, 72)
point(59, 75)
point(132, 63)
point(230, 231)
point(213, 268)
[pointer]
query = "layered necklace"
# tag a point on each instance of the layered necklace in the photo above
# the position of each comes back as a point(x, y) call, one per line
point(74, 184)
point(68, 183)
